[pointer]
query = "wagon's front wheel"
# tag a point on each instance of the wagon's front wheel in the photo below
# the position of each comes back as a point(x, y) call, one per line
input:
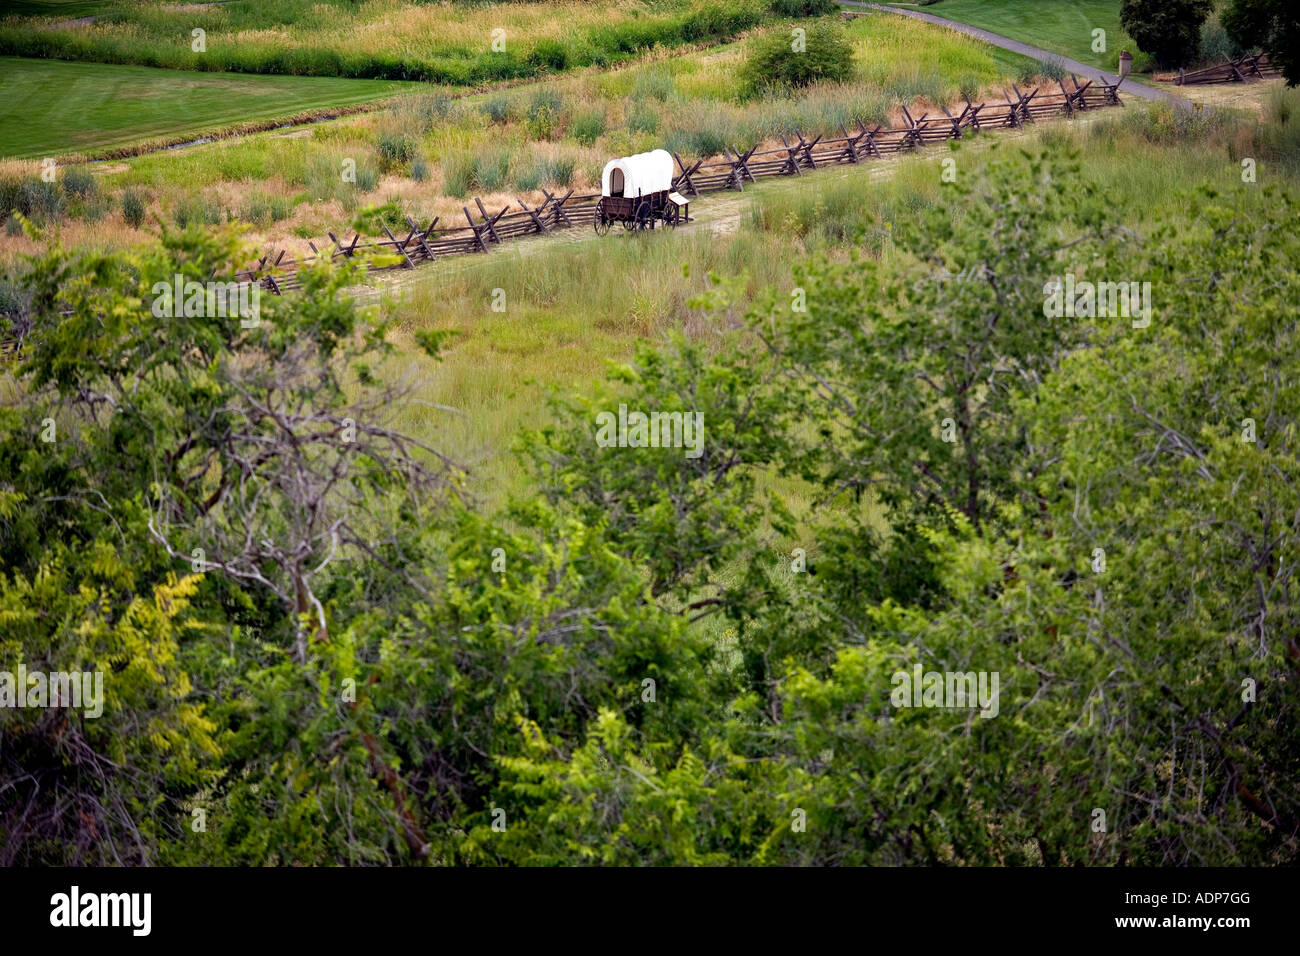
point(644, 216)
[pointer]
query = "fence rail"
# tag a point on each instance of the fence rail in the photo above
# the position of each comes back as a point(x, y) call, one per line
point(484, 228)
point(1254, 66)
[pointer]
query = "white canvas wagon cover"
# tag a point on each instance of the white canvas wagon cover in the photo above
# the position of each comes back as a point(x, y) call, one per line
point(638, 175)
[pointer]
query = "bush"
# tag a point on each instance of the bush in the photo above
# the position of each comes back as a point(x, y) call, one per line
point(642, 118)
point(422, 112)
point(1170, 30)
point(395, 149)
point(654, 85)
point(419, 169)
point(531, 175)
point(497, 108)
point(39, 201)
point(197, 211)
point(1053, 68)
point(263, 208)
point(372, 220)
point(561, 170)
point(492, 170)
point(457, 174)
point(80, 183)
point(775, 60)
point(544, 111)
point(803, 8)
point(1216, 44)
point(367, 177)
point(588, 126)
point(550, 54)
point(133, 208)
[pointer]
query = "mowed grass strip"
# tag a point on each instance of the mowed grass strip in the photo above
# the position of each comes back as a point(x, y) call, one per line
point(1062, 26)
point(53, 107)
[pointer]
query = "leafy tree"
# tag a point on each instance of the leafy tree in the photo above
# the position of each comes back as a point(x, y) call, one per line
point(1170, 30)
point(1271, 25)
point(781, 58)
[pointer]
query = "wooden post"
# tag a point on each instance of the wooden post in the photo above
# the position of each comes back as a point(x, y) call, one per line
point(536, 221)
point(409, 263)
point(420, 237)
point(790, 158)
point(478, 240)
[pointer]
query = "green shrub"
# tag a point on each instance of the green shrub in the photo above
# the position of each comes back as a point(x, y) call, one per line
point(561, 170)
point(39, 201)
point(654, 84)
point(549, 54)
point(372, 220)
point(95, 208)
point(642, 118)
point(367, 176)
point(9, 187)
point(133, 208)
point(588, 126)
point(492, 170)
point(532, 174)
point(777, 60)
point(497, 108)
point(803, 8)
point(1216, 44)
point(422, 112)
point(197, 210)
point(263, 208)
point(457, 174)
point(419, 169)
point(396, 149)
point(1053, 68)
point(79, 182)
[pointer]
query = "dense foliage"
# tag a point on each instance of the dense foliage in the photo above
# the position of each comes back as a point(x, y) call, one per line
point(783, 59)
point(1270, 25)
point(631, 666)
point(1170, 30)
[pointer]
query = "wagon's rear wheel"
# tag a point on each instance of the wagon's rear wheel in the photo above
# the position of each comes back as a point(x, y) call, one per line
point(599, 222)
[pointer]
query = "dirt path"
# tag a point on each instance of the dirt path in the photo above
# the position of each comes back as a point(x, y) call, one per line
point(1033, 52)
point(719, 213)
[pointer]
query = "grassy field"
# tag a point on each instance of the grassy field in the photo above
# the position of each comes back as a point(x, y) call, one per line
point(1062, 26)
point(428, 152)
point(56, 8)
point(444, 42)
point(577, 302)
point(52, 107)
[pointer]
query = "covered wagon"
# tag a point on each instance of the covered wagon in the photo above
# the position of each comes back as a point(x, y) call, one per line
point(637, 191)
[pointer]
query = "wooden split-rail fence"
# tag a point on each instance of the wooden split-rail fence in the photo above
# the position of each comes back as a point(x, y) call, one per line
point(1255, 66)
point(277, 271)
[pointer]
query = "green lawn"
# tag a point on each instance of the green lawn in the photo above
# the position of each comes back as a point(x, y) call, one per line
point(53, 107)
point(1062, 26)
point(54, 8)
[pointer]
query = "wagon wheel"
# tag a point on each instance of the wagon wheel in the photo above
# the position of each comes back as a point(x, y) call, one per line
point(599, 222)
point(672, 215)
point(644, 217)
